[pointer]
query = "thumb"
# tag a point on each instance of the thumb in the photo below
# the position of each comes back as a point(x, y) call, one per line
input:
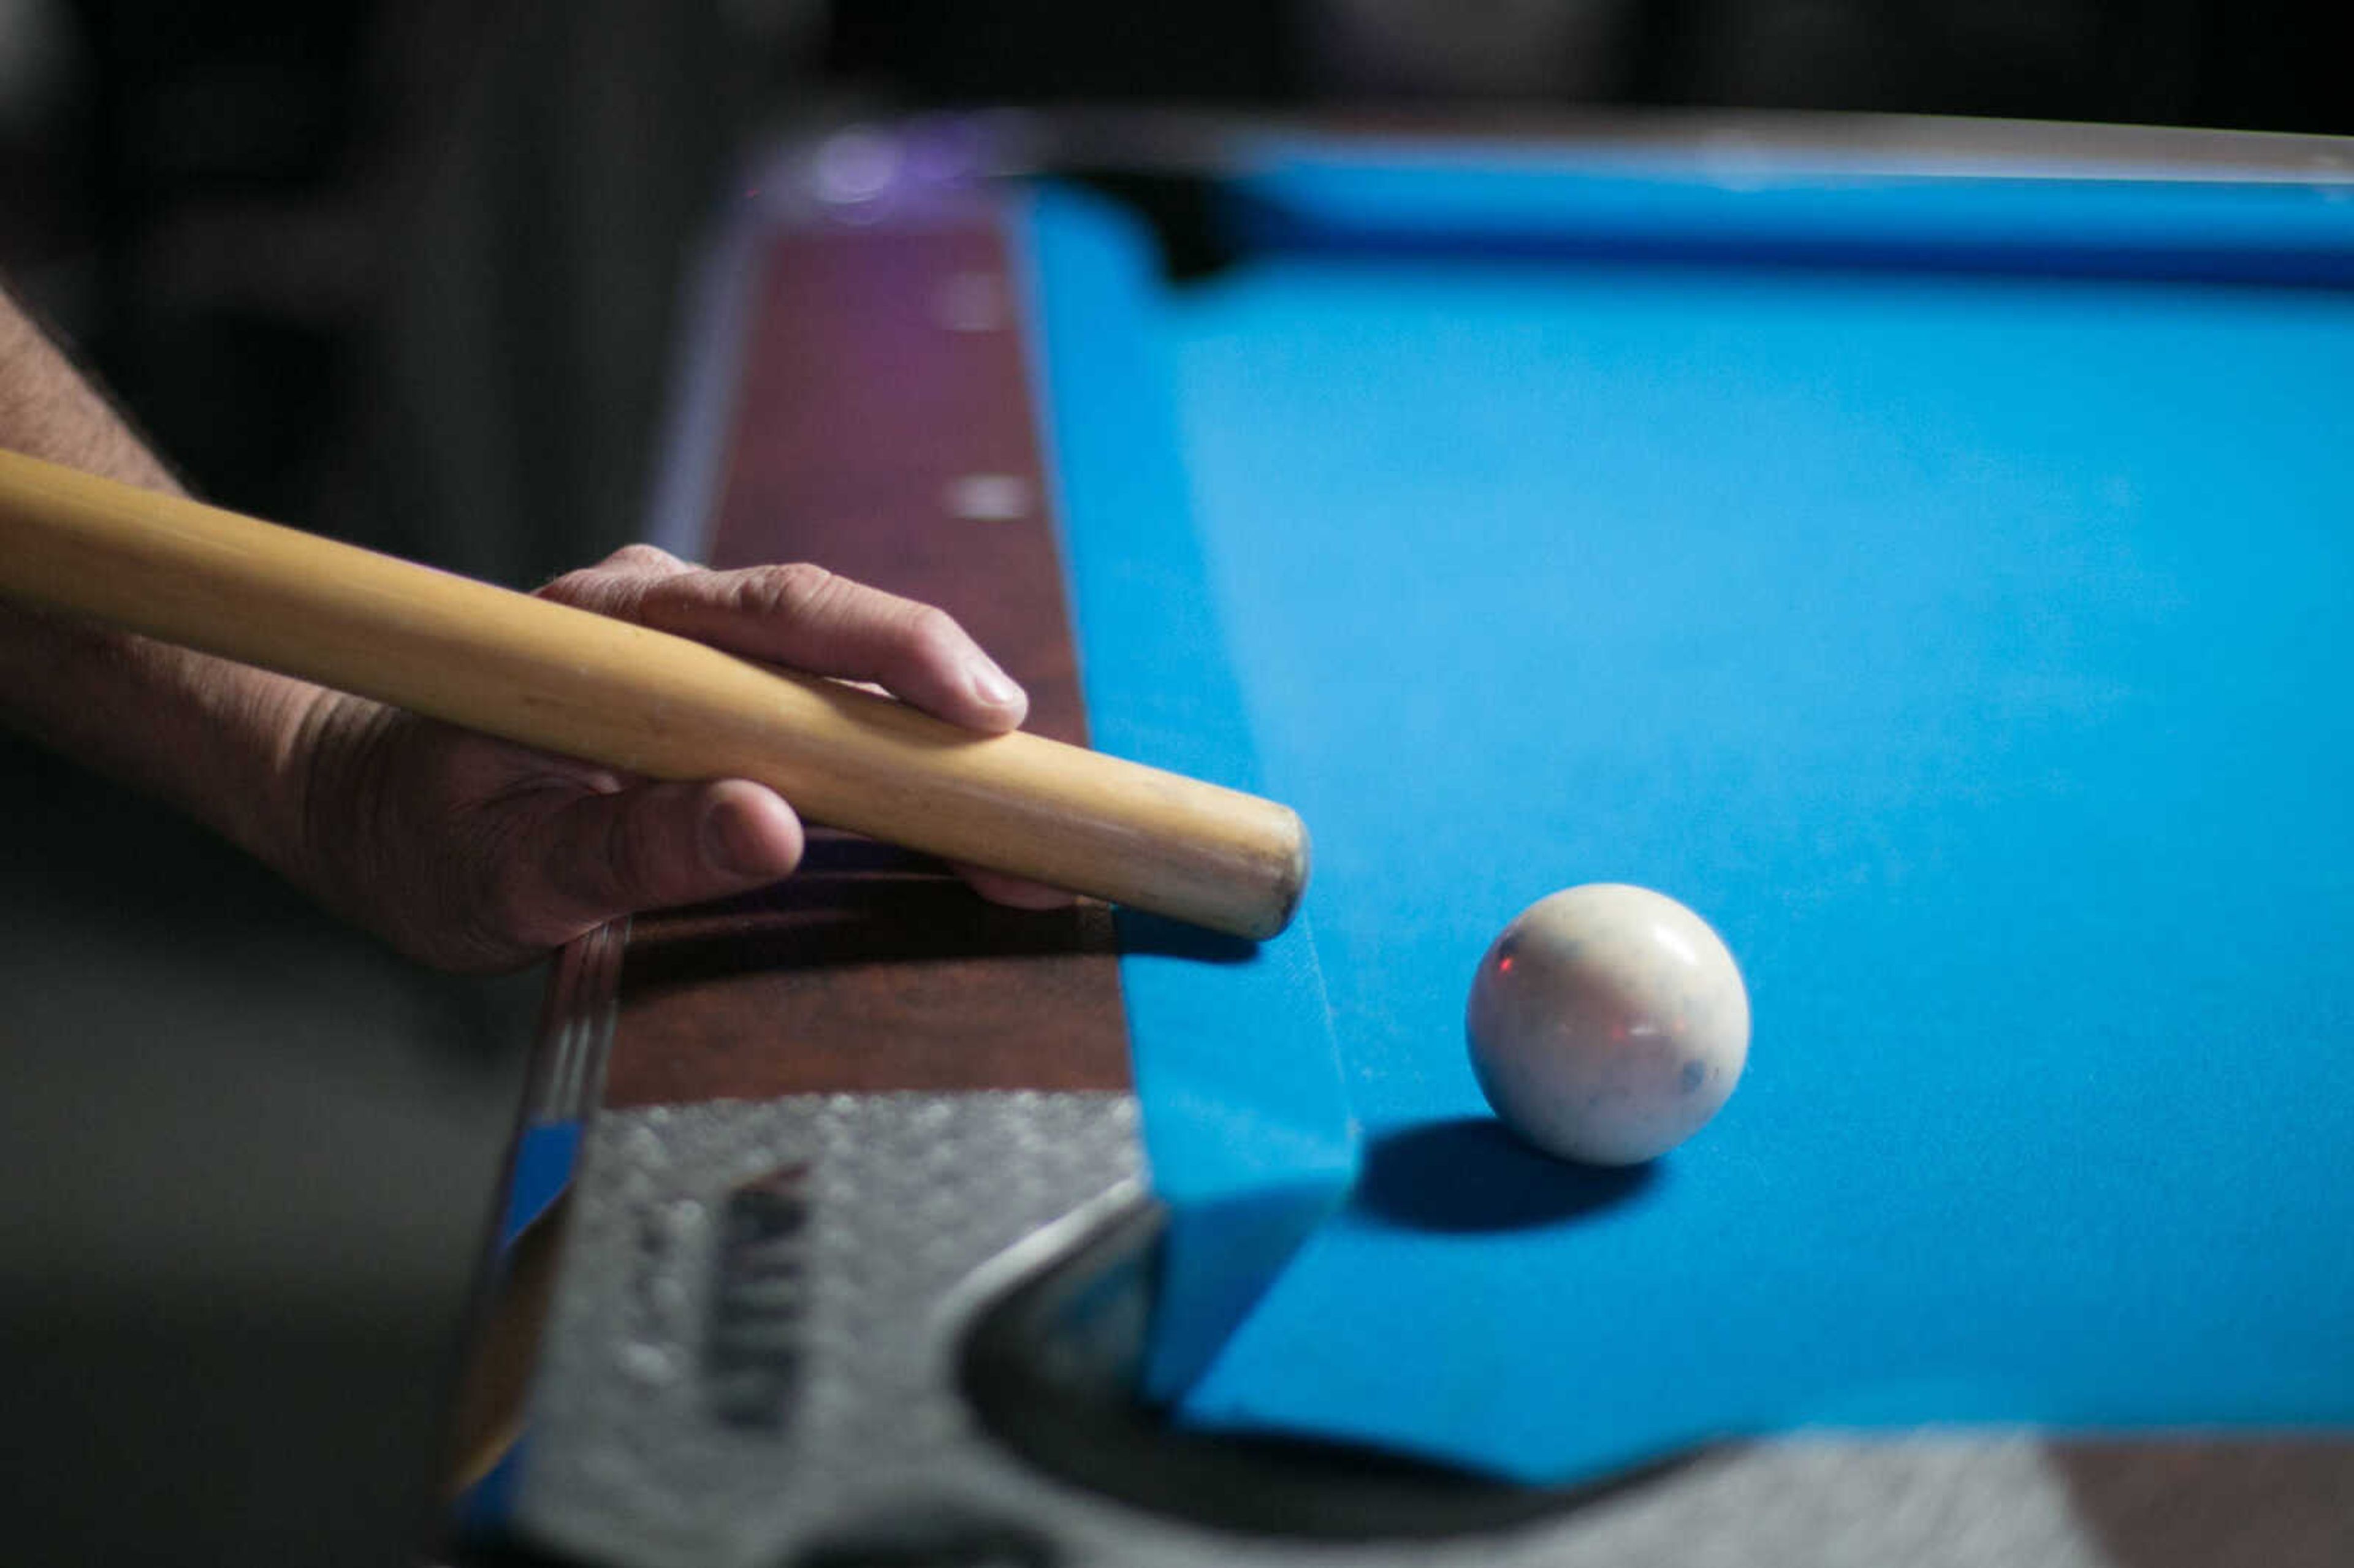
point(654, 845)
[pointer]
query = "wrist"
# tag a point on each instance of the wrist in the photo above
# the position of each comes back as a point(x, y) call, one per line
point(226, 742)
point(331, 789)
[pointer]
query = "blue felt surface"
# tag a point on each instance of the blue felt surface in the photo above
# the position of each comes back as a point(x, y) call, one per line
point(1973, 652)
point(1248, 1163)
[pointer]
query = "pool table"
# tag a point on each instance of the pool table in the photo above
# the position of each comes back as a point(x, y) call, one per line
point(1925, 549)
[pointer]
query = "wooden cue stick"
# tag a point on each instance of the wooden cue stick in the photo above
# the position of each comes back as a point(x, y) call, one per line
point(569, 681)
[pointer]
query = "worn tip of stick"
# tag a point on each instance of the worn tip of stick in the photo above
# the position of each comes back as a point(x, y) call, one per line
point(1290, 887)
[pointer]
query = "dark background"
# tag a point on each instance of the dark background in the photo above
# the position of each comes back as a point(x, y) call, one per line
point(405, 273)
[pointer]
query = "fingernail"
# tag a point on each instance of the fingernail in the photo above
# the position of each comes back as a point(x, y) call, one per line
point(994, 687)
point(730, 843)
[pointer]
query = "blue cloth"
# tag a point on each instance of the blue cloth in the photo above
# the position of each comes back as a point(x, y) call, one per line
point(1973, 652)
point(1248, 1132)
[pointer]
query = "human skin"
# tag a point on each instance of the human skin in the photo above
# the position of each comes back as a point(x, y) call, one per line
point(464, 851)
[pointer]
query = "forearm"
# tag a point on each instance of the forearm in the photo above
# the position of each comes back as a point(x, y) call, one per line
point(221, 740)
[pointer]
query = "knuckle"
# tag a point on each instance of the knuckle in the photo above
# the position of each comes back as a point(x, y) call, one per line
point(577, 588)
point(596, 588)
point(800, 591)
point(644, 557)
point(931, 635)
point(616, 585)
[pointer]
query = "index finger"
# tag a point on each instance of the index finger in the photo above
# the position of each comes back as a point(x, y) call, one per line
point(812, 620)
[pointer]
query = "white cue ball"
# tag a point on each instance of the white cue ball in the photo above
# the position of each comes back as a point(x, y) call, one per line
point(1607, 1024)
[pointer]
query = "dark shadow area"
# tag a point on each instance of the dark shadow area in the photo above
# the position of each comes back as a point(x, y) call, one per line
point(1202, 228)
point(1164, 937)
point(949, 1536)
point(854, 901)
point(1050, 1368)
point(1191, 223)
point(2258, 64)
point(1470, 1176)
point(250, 1156)
point(501, 1552)
point(297, 1439)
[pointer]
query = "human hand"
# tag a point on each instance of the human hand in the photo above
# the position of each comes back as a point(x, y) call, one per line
point(473, 853)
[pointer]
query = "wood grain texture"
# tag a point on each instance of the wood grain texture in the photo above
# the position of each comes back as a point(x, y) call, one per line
point(2249, 1503)
point(869, 971)
point(859, 412)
